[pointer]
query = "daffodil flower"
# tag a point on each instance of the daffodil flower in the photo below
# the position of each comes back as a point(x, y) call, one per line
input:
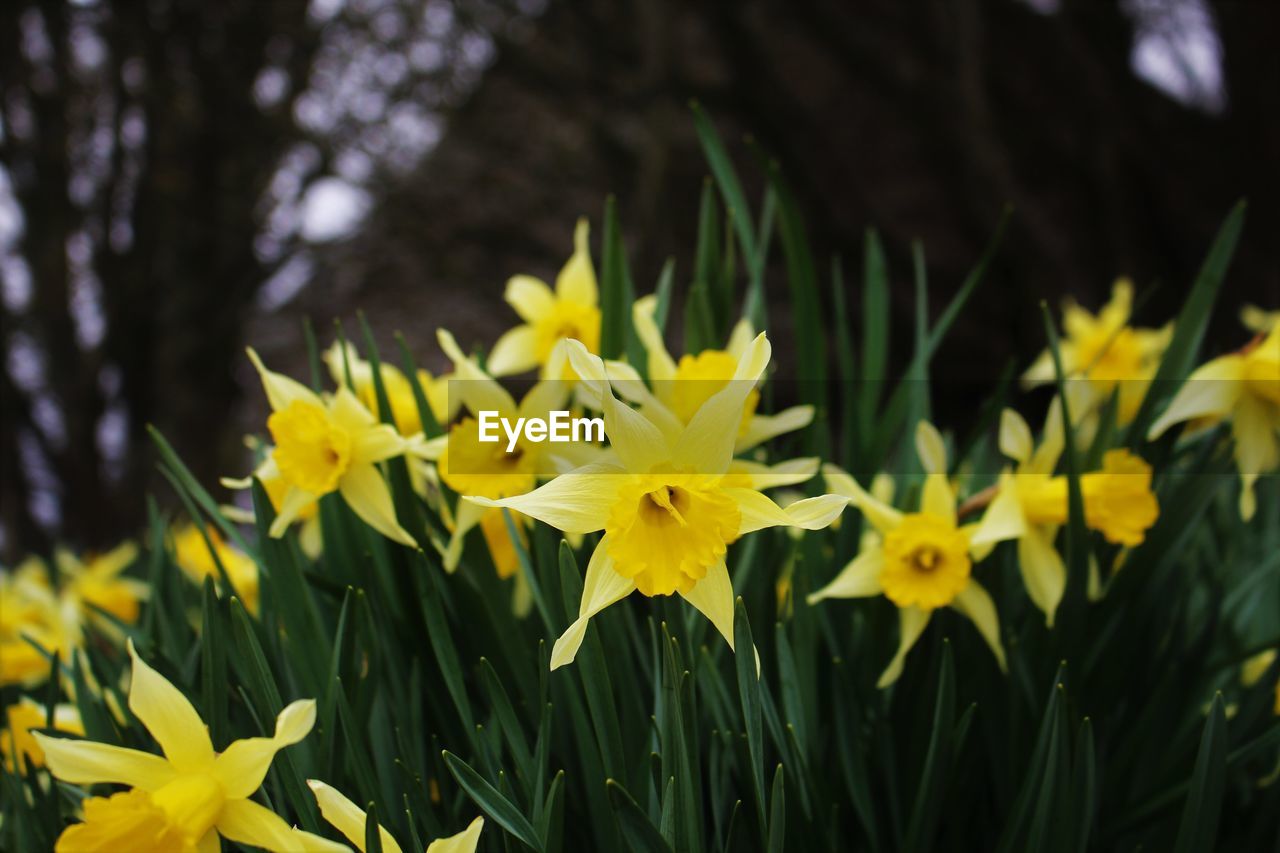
point(346, 817)
point(1245, 387)
point(920, 561)
point(683, 386)
point(570, 311)
point(327, 445)
point(667, 513)
point(1031, 504)
point(404, 404)
point(1102, 353)
point(186, 799)
point(28, 616)
point(1256, 667)
point(17, 742)
point(196, 558)
point(472, 467)
point(307, 516)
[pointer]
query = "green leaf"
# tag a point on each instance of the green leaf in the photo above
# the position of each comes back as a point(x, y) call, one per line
point(749, 697)
point(617, 292)
point(491, 802)
point(1198, 829)
point(777, 815)
point(639, 831)
point(926, 811)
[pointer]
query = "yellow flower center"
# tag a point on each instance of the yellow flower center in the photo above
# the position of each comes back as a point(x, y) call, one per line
point(485, 469)
point(700, 376)
point(126, 821)
point(312, 451)
point(1118, 500)
point(926, 562)
point(568, 319)
point(666, 529)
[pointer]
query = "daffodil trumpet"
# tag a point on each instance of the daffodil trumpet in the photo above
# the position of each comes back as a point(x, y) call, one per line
point(669, 506)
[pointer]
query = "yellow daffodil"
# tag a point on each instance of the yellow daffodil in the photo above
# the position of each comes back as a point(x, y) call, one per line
point(667, 513)
point(570, 311)
point(350, 820)
point(185, 800)
point(196, 559)
point(1103, 354)
point(1245, 387)
point(28, 613)
point(327, 445)
point(920, 561)
point(683, 386)
point(1256, 667)
point(1031, 504)
point(17, 743)
point(404, 404)
point(472, 467)
point(307, 516)
point(1259, 320)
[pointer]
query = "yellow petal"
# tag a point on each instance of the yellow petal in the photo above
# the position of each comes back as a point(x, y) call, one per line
point(1211, 390)
point(1043, 572)
point(859, 579)
point(464, 842)
point(882, 516)
point(930, 448)
point(469, 515)
point(529, 296)
point(759, 511)
point(349, 413)
point(1052, 441)
point(170, 718)
point(1257, 451)
point(81, 762)
point(577, 280)
point(707, 443)
point(740, 338)
point(786, 473)
point(1015, 436)
point(601, 587)
point(974, 602)
point(515, 352)
point(662, 368)
point(576, 502)
point(367, 494)
point(544, 397)
point(474, 388)
point(243, 766)
point(346, 817)
point(640, 445)
point(911, 624)
point(938, 498)
point(246, 822)
point(281, 390)
point(1004, 518)
point(761, 428)
point(295, 501)
point(376, 443)
point(713, 596)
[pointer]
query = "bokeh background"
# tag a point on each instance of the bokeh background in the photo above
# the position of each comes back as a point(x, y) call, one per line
point(179, 178)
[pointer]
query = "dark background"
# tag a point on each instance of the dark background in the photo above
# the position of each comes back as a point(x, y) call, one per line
point(181, 178)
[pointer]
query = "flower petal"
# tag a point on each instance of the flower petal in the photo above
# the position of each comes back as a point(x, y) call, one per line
point(469, 515)
point(1015, 436)
point(761, 428)
point(281, 390)
point(1004, 518)
point(346, 817)
point(938, 498)
point(474, 388)
point(464, 842)
point(1211, 390)
point(530, 297)
point(170, 718)
point(662, 368)
point(759, 511)
point(603, 586)
point(246, 822)
point(367, 494)
point(974, 602)
point(859, 579)
point(243, 766)
point(882, 516)
point(83, 762)
point(1043, 571)
point(911, 624)
point(1257, 451)
point(294, 502)
point(576, 502)
point(515, 352)
point(707, 443)
point(376, 443)
point(577, 280)
point(349, 413)
point(931, 449)
point(786, 473)
point(713, 596)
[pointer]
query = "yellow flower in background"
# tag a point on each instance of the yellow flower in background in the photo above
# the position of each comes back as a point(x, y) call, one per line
point(667, 514)
point(683, 386)
point(28, 609)
point(1031, 504)
point(196, 558)
point(570, 311)
point(1256, 667)
point(323, 445)
point(1104, 354)
point(96, 581)
point(17, 743)
point(920, 561)
point(1245, 387)
point(1259, 320)
point(404, 404)
point(189, 797)
point(346, 817)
